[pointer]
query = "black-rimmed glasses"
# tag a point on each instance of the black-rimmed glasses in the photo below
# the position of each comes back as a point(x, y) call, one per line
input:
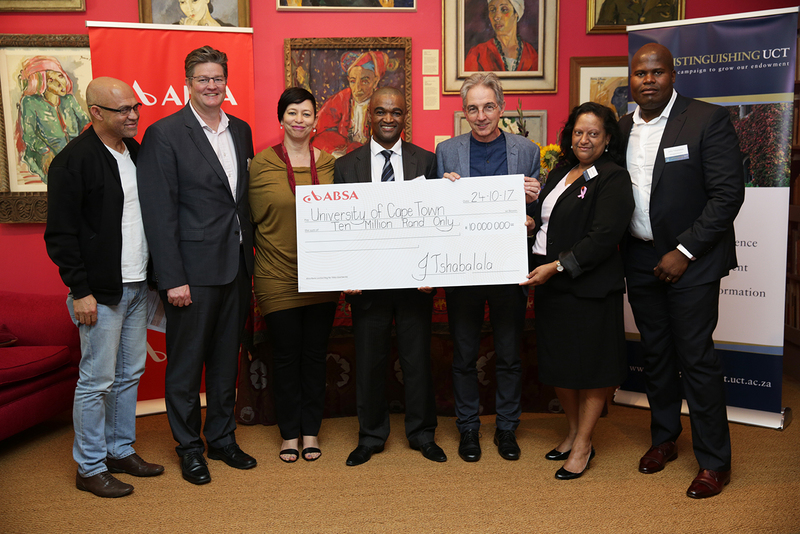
point(124, 110)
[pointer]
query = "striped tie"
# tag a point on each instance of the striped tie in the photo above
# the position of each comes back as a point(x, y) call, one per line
point(387, 174)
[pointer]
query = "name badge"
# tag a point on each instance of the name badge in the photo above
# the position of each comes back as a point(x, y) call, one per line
point(590, 173)
point(676, 153)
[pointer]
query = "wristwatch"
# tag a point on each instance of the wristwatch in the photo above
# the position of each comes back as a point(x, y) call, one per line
point(559, 267)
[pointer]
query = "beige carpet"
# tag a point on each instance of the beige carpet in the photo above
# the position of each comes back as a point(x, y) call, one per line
point(399, 491)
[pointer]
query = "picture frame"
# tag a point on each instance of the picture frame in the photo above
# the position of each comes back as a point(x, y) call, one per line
point(535, 123)
point(28, 204)
point(469, 44)
point(346, 5)
point(224, 12)
point(617, 21)
point(599, 79)
point(42, 5)
point(322, 66)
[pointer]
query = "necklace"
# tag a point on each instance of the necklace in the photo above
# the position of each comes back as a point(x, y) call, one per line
point(280, 150)
point(514, 62)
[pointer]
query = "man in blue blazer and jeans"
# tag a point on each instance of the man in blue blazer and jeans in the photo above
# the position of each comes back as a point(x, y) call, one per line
point(487, 151)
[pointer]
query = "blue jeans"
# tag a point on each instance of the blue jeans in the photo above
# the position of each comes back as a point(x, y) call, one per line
point(113, 355)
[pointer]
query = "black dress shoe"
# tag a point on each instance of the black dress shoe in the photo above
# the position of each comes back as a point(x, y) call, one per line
point(470, 446)
point(133, 465)
point(103, 485)
point(563, 474)
point(557, 455)
point(232, 455)
point(193, 468)
point(432, 452)
point(506, 443)
point(362, 454)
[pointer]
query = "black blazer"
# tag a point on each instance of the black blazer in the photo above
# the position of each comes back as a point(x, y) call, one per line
point(191, 217)
point(84, 217)
point(694, 201)
point(356, 167)
point(586, 227)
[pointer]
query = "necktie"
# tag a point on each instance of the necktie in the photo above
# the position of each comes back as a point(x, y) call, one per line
point(387, 174)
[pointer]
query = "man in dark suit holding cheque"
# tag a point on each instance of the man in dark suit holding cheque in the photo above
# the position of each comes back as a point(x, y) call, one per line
point(193, 178)
point(386, 158)
point(686, 167)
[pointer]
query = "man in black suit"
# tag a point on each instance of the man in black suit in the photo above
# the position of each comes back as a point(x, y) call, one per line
point(388, 158)
point(95, 235)
point(193, 176)
point(686, 167)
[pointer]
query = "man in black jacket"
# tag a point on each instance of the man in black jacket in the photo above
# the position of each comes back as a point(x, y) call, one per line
point(95, 235)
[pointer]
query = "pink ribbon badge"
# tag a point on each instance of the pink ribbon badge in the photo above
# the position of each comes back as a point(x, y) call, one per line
point(583, 192)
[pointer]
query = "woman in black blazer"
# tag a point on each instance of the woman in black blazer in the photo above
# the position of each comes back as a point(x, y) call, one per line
point(582, 214)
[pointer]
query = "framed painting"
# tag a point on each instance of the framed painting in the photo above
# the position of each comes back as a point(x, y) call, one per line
point(346, 5)
point(196, 12)
point(43, 81)
point(42, 5)
point(612, 16)
point(535, 122)
point(342, 74)
point(515, 40)
point(599, 79)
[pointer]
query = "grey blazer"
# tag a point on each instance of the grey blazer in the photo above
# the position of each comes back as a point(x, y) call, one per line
point(453, 156)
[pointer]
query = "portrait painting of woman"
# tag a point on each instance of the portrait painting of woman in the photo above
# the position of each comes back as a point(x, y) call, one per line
point(49, 116)
point(194, 12)
point(501, 35)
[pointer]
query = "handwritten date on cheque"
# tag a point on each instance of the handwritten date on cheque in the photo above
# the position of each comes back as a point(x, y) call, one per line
point(410, 234)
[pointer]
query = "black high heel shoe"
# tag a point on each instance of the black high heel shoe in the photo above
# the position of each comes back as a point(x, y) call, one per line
point(557, 455)
point(563, 474)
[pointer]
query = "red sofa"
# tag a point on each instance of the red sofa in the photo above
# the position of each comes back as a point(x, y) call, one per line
point(38, 373)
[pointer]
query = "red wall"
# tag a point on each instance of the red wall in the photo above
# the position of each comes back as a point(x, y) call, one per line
point(24, 265)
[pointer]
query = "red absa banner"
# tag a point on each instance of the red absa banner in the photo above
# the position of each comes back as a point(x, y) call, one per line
point(149, 58)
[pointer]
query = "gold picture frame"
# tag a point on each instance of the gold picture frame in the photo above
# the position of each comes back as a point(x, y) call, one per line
point(467, 34)
point(42, 5)
point(320, 65)
point(26, 206)
point(659, 12)
point(227, 12)
point(346, 5)
point(599, 79)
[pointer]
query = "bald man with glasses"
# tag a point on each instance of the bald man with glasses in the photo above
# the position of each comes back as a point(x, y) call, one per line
point(96, 238)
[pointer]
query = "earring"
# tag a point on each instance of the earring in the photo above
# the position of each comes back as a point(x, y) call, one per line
point(571, 147)
point(315, 130)
point(606, 148)
point(281, 126)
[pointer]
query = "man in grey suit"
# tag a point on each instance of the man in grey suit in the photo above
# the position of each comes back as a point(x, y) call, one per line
point(386, 158)
point(487, 151)
point(193, 177)
point(686, 167)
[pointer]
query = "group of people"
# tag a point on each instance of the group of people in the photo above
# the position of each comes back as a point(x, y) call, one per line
point(650, 201)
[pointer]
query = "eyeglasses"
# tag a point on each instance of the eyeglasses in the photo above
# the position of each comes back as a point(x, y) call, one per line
point(203, 80)
point(124, 110)
point(488, 108)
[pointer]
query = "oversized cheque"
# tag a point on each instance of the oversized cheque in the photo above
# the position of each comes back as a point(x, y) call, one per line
point(410, 234)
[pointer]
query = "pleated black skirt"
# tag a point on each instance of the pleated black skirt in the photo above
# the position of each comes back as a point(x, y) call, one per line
point(580, 341)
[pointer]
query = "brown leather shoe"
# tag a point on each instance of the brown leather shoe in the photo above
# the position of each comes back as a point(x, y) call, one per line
point(103, 485)
point(133, 465)
point(657, 457)
point(708, 483)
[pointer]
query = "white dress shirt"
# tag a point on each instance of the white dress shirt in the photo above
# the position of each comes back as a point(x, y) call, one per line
point(378, 160)
point(641, 155)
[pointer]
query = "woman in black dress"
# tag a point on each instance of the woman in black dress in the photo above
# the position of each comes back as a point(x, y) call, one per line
point(580, 219)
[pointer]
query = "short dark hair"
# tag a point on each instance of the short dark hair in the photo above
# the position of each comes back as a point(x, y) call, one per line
point(294, 95)
point(205, 54)
point(606, 115)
